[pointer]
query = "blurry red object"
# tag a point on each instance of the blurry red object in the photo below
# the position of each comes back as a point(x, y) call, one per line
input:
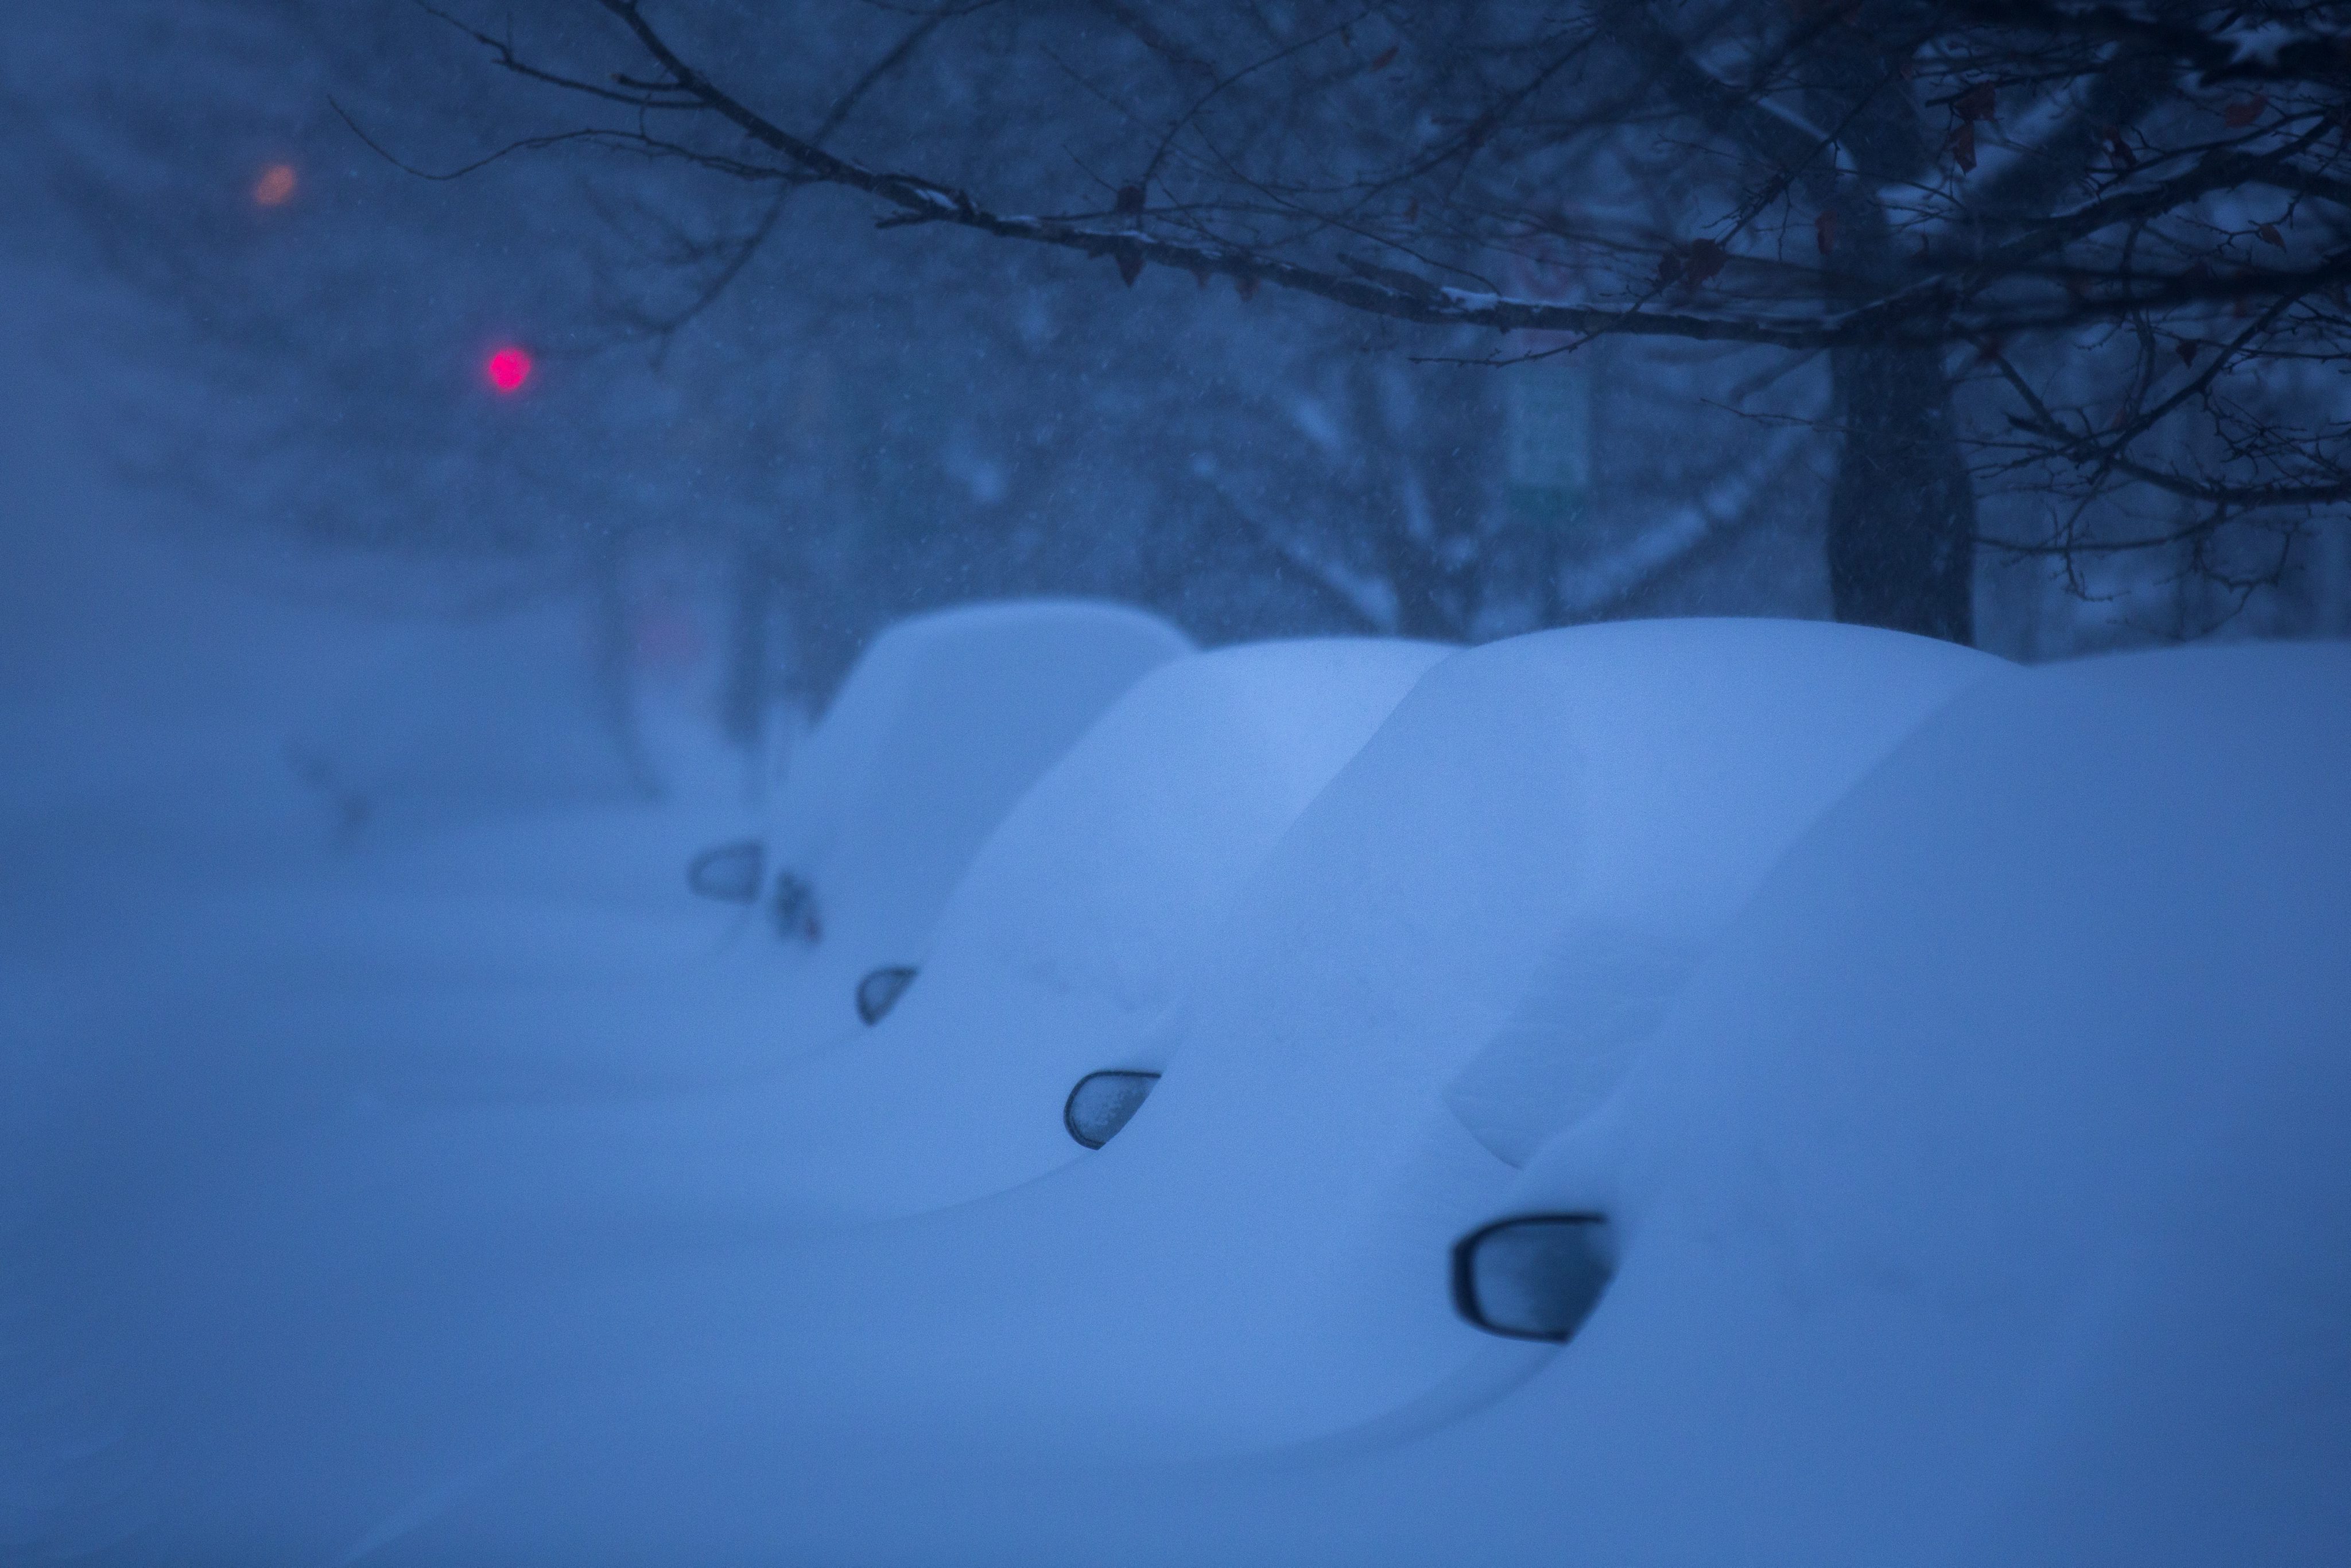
point(276, 186)
point(509, 368)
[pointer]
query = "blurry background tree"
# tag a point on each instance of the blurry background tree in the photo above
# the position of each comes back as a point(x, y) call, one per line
point(2002, 321)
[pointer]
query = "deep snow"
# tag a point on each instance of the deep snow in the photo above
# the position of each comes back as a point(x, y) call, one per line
point(1981, 1200)
point(1956, 1049)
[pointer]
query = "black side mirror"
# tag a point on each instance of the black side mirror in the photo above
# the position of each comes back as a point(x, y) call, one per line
point(794, 907)
point(729, 873)
point(878, 992)
point(1103, 1103)
point(1535, 1277)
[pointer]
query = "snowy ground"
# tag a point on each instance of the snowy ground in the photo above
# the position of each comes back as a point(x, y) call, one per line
point(1958, 1054)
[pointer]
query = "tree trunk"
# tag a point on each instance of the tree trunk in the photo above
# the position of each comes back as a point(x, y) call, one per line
point(1902, 515)
point(1412, 521)
point(609, 662)
point(745, 687)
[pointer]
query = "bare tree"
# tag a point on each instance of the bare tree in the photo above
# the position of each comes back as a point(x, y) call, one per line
point(2083, 259)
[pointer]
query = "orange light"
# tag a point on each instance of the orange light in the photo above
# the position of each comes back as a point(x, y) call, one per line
point(276, 186)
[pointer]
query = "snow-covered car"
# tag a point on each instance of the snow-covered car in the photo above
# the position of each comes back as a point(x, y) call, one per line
point(1074, 946)
point(1653, 769)
point(1247, 1278)
point(1954, 1055)
point(944, 722)
point(1519, 869)
point(1976, 1196)
point(1984, 1199)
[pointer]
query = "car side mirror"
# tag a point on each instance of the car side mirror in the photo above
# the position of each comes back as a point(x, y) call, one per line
point(1103, 1103)
point(794, 907)
point(729, 873)
point(878, 992)
point(1534, 1277)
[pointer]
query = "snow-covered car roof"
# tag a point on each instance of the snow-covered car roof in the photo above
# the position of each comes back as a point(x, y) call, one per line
point(942, 724)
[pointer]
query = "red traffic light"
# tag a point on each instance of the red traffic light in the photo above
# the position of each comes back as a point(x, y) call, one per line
point(508, 368)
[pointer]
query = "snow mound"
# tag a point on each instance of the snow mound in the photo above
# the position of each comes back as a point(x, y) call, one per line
point(1959, 1052)
point(941, 726)
point(1075, 941)
point(1256, 1259)
point(1982, 1200)
point(1693, 754)
point(1275, 1210)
